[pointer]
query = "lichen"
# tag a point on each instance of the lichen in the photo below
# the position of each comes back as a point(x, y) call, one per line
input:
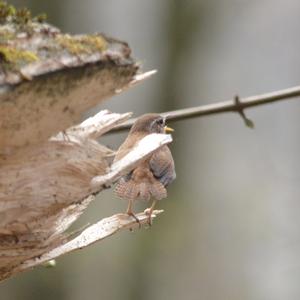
point(95, 42)
point(17, 56)
point(83, 44)
point(25, 39)
point(15, 24)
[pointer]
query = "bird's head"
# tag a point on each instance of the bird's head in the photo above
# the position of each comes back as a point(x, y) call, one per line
point(151, 123)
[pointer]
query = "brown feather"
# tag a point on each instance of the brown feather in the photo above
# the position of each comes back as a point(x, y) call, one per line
point(149, 179)
point(141, 185)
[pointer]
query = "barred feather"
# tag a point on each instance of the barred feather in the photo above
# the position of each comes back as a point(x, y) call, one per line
point(126, 190)
point(139, 186)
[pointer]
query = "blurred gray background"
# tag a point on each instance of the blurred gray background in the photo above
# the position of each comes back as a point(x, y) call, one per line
point(231, 227)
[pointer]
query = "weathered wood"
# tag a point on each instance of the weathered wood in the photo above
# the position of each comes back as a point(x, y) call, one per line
point(49, 78)
point(94, 233)
point(46, 188)
point(48, 163)
point(34, 110)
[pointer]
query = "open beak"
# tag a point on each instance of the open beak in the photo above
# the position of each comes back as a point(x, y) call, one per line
point(168, 129)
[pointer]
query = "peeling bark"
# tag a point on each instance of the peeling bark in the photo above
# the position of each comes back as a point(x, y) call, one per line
point(46, 188)
point(51, 167)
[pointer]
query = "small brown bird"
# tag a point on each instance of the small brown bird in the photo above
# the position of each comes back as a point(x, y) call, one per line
point(152, 176)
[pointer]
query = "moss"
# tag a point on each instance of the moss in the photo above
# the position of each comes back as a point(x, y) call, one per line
point(22, 16)
point(6, 11)
point(95, 42)
point(17, 30)
point(17, 56)
point(82, 45)
point(71, 44)
point(41, 18)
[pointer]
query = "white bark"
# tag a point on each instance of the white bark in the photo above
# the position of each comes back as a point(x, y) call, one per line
point(94, 233)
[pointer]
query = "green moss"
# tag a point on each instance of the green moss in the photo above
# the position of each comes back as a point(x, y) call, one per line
point(18, 28)
point(82, 45)
point(6, 11)
point(17, 56)
point(71, 44)
point(22, 16)
point(41, 18)
point(95, 42)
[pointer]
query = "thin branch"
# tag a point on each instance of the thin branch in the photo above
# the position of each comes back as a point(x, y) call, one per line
point(221, 107)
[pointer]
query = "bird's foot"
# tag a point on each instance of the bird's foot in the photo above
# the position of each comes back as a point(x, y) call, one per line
point(130, 213)
point(148, 212)
point(65, 136)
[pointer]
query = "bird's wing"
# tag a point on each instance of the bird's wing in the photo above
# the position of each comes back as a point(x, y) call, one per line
point(127, 146)
point(162, 165)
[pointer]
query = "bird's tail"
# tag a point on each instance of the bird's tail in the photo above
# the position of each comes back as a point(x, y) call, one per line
point(131, 190)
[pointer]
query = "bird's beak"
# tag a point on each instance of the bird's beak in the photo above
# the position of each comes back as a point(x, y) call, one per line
point(168, 129)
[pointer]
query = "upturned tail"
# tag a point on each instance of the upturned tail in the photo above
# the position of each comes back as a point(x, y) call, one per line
point(132, 190)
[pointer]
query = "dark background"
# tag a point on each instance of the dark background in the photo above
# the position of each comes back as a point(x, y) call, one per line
point(231, 227)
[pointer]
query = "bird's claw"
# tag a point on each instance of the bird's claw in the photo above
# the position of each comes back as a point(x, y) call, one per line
point(135, 217)
point(148, 212)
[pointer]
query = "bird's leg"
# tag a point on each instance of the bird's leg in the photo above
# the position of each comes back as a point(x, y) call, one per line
point(149, 211)
point(65, 136)
point(129, 212)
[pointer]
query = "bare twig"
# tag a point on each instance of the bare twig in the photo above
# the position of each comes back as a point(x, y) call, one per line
point(221, 107)
point(239, 108)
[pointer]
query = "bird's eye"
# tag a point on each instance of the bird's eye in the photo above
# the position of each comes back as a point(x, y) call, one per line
point(160, 121)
